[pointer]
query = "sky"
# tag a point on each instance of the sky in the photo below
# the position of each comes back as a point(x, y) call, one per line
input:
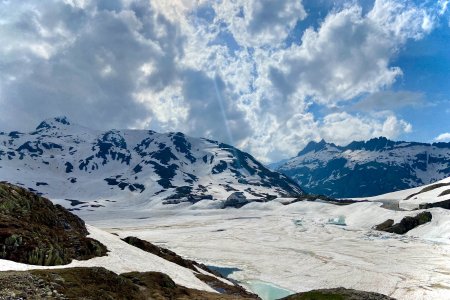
point(267, 76)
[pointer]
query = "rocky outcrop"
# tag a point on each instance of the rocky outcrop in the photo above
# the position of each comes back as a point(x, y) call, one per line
point(338, 294)
point(34, 231)
point(442, 204)
point(406, 224)
point(209, 276)
point(98, 283)
point(163, 253)
point(236, 200)
point(322, 198)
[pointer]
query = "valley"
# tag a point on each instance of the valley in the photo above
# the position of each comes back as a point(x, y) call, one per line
point(214, 204)
point(298, 247)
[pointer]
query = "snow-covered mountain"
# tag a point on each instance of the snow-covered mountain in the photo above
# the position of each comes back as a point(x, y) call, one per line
point(67, 161)
point(367, 168)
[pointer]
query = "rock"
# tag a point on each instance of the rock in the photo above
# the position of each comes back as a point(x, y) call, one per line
point(442, 204)
point(406, 224)
point(36, 232)
point(338, 294)
point(236, 200)
point(385, 225)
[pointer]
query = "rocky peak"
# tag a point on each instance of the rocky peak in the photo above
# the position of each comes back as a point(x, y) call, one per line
point(315, 147)
point(55, 122)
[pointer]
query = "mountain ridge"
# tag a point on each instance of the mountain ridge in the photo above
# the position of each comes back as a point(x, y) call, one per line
point(366, 168)
point(65, 161)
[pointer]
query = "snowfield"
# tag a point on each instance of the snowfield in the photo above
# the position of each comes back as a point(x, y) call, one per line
point(298, 246)
point(431, 196)
point(122, 258)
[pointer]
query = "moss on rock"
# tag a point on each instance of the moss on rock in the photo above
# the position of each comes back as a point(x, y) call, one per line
point(34, 231)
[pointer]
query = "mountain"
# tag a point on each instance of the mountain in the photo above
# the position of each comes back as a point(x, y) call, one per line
point(89, 169)
point(367, 168)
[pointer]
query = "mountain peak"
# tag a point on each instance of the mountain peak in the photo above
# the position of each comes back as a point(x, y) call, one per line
point(374, 144)
point(314, 146)
point(53, 122)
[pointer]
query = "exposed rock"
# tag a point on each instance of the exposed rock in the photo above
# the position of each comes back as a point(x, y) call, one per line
point(338, 294)
point(236, 200)
point(34, 231)
point(385, 226)
point(323, 198)
point(442, 204)
point(161, 252)
point(97, 283)
point(406, 224)
point(212, 281)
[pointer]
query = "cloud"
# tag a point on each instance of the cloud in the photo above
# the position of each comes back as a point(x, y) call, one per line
point(444, 137)
point(390, 100)
point(90, 67)
point(212, 113)
point(109, 64)
point(342, 128)
point(221, 69)
point(260, 22)
point(349, 54)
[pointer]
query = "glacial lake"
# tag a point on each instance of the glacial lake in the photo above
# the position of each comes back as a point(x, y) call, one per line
point(266, 290)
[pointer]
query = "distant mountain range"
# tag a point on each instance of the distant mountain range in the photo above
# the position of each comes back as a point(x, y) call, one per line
point(89, 169)
point(366, 168)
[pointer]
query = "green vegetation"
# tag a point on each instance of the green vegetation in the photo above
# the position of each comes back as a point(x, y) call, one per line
point(337, 294)
point(98, 283)
point(317, 296)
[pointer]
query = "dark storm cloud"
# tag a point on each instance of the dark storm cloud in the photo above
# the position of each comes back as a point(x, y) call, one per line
point(92, 68)
point(87, 63)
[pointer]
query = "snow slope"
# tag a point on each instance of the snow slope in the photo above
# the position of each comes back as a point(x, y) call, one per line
point(88, 169)
point(363, 169)
point(410, 199)
point(123, 258)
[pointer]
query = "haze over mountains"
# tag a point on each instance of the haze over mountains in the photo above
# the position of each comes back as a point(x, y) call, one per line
point(367, 168)
point(68, 161)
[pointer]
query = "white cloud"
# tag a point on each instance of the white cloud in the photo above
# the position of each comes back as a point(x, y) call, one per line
point(443, 6)
point(349, 54)
point(216, 69)
point(260, 22)
point(444, 137)
point(342, 128)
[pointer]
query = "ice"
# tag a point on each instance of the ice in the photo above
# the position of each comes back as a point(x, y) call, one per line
point(268, 244)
